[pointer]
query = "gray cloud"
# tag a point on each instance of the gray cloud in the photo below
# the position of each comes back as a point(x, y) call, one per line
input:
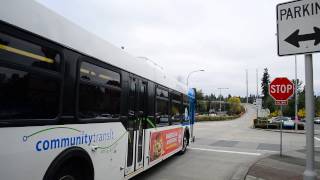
point(223, 37)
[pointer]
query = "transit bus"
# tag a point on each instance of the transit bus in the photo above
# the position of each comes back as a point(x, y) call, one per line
point(74, 107)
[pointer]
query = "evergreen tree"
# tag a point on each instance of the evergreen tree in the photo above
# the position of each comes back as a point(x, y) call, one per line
point(212, 97)
point(301, 99)
point(199, 94)
point(317, 104)
point(265, 88)
point(265, 83)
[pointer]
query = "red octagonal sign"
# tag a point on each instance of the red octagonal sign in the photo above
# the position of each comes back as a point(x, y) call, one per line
point(281, 89)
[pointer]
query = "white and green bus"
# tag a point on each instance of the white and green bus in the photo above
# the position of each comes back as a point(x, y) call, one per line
point(74, 107)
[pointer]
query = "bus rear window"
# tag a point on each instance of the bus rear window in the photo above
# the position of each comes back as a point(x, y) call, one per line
point(28, 54)
point(24, 95)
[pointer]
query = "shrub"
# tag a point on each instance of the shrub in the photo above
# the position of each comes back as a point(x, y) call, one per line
point(275, 113)
point(260, 123)
point(273, 126)
point(264, 124)
point(215, 118)
point(235, 106)
point(302, 113)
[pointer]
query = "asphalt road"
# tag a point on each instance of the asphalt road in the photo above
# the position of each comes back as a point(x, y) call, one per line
point(223, 150)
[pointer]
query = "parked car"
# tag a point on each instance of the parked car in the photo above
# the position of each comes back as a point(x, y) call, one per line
point(288, 123)
point(280, 118)
point(276, 119)
point(317, 120)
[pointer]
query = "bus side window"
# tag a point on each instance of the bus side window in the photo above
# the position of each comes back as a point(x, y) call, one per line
point(30, 80)
point(176, 108)
point(162, 107)
point(99, 92)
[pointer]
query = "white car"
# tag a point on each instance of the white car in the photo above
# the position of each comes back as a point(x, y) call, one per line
point(288, 123)
point(317, 120)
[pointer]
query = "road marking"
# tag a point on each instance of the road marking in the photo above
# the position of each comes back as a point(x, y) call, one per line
point(318, 139)
point(224, 151)
point(267, 150)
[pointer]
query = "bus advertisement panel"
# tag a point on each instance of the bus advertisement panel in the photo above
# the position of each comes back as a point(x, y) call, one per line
point(164, 142)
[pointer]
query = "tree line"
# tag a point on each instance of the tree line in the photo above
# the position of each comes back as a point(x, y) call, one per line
point(211, 103)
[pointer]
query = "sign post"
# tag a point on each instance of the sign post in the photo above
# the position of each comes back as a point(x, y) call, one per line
point(298, 32)
point(309, 172)
point(281, 132)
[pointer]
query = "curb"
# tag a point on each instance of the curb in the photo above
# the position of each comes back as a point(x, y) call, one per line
point(255, 162)
point(251, 177)
point(283, 131)
point(242, 172)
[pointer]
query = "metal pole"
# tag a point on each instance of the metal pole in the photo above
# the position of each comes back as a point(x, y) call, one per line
point(200, 70)
point(281, 131)
point(220, 101)
point(221, 96)
point(257, 92)
point(296, 94)
point(191, 125)
point(257, 81)
point(309, 173)
point(247, 84)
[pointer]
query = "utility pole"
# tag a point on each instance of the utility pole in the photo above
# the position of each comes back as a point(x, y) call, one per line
point(257, 91)
point(257, 83)
point(220, 97)
point(247, 84)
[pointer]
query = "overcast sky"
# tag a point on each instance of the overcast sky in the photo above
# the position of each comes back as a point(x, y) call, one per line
point(222, 37)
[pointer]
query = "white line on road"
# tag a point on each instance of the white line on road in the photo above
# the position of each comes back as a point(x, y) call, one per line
point(262, 150)
point(318, 139)
point(224, 151)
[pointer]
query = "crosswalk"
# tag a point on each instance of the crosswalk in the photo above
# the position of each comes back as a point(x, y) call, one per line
point(241, 146)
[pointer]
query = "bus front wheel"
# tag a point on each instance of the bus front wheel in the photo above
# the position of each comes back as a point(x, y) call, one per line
point(185, 143)
point(70, 171)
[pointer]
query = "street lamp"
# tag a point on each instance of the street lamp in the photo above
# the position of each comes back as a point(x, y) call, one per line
point(220, 97)
point(191, 125)
point(200, 70)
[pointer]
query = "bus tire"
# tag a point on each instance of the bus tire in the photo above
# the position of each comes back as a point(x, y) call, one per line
point(185, 143)
point(72, 164)
point(70, 171)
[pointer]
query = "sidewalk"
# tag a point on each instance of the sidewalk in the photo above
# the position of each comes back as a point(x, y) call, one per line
point(290, 166)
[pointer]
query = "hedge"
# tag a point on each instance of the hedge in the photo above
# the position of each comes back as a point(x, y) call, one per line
point(215, 118)
point(264, 124)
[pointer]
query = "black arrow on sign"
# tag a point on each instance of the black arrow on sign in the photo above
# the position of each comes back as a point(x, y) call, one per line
point(294, 38)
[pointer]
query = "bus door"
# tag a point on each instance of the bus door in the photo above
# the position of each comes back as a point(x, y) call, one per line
point(141, 124)
point(136, 123)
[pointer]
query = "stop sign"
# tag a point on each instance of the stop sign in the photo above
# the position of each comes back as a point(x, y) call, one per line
point(281, 89)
